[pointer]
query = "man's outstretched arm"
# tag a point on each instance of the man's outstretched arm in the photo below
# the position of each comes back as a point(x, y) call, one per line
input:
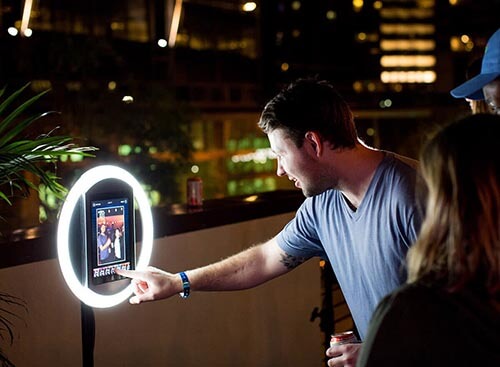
point(247, 269)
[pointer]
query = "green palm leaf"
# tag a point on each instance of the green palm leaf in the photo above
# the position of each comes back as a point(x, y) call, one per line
point(5, 123)
point(18, 128)
point(19, 154)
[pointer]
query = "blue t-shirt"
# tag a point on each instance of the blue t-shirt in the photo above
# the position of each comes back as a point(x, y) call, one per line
point(366, 247)
point(101, 241)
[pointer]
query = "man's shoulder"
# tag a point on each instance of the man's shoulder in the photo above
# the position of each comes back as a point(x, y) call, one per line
point(401, 160)
point(399, 172)
point(316, 206)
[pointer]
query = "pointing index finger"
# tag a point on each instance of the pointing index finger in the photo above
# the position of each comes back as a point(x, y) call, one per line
point(133, 274)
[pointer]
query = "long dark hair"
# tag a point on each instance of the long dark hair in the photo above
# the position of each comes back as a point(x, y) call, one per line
point(459, 242)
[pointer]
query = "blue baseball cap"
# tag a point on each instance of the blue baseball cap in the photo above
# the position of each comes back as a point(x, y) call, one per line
point(490, 70)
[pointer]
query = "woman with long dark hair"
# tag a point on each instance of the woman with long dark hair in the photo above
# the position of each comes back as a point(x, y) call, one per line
point(448, 313)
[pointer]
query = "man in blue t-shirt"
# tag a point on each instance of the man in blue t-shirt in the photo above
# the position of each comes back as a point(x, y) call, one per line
point(103, 245)
point(360, 212)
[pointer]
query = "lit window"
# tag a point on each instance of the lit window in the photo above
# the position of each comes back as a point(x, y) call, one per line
point(424, 76)
point(40, 85)
point(405, 45)
point(426, 3)
point(407, 28)
point(390, 61)
point(117, 26)
point(403, 13)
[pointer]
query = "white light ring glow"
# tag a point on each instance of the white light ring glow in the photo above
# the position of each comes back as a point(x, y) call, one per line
point(84, 183)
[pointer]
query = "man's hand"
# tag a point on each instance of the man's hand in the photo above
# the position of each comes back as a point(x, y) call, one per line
point(152, 284)
point(343, 355)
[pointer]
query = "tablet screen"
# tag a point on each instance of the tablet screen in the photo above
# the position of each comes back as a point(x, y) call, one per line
point(111, 239)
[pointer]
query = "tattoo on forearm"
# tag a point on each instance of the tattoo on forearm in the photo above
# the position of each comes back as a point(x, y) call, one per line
point(291, 262)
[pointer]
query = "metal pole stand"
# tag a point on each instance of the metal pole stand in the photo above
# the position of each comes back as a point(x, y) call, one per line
point(88, 335)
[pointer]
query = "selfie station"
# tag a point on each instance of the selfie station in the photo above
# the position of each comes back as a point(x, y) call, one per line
point(96, 235)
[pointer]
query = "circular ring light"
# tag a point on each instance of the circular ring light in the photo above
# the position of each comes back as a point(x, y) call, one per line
point(84, 183)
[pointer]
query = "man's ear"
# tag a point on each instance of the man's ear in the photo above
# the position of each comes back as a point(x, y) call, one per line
point(313, 138)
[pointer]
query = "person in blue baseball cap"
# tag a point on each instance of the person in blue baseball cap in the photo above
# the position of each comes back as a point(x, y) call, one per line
point(485, 85)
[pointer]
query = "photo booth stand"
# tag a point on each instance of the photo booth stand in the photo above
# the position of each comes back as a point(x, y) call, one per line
point(95, 236)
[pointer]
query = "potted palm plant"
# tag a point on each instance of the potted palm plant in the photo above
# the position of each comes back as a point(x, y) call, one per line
point(20, 155)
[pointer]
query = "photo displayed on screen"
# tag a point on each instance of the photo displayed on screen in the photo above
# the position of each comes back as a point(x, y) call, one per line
point(111, 240)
